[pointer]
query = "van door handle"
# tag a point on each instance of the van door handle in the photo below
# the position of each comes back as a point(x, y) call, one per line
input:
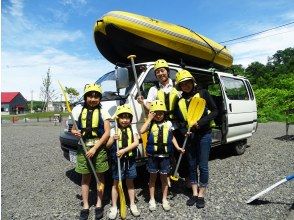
point(230, 107)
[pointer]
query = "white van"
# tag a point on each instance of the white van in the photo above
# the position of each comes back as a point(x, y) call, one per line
point(233, 95)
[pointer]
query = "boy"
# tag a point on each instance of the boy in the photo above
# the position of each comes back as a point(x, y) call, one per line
point(159, 148)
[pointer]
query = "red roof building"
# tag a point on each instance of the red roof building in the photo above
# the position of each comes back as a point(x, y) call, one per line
point(12, 102)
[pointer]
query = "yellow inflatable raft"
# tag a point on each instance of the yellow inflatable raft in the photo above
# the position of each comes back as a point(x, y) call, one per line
point(118, 34)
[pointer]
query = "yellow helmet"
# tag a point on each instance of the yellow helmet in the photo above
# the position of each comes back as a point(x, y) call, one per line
point(161, 63)
point(157, 105)
point(92, 88)
point(183, 75)
point(126, 108)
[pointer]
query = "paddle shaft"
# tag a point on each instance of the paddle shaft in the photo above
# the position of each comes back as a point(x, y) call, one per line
point(123, 210)
point(117, 149)
point(131, 57)
point(85, 150)
point(181, 155)
point(287, 178)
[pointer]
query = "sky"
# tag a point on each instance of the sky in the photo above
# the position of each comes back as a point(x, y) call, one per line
point(58, 34)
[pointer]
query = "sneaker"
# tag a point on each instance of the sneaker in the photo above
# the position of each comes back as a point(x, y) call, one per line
point(191, 201)
point(84, 214)
point(165, 205)
point(152, 205)
point(200, 203)
point(134, 210)
point(98, 213)
point(113, 213)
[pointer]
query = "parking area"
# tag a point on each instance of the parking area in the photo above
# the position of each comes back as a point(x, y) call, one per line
point(38, 183)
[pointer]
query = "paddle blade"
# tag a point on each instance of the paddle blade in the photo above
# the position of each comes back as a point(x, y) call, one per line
point(195, 110)
point(175, 178)
point(65, 97)
point(122, 201)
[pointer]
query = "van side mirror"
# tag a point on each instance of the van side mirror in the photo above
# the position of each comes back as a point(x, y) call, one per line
point(122, 78)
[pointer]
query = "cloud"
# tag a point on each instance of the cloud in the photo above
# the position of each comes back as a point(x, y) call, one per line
point(16, 8)
point(19, 32)
point(288, 16)
point(24, 72)
point(74, 3)
point(29, 49)
point(261, 47)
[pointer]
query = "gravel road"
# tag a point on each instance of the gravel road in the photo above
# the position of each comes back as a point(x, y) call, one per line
point(38, 183)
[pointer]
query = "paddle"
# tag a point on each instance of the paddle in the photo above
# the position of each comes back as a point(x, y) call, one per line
point(195, 111)
point(81, 139)
point(132, 57)
point(122, 200)
point(287, 178)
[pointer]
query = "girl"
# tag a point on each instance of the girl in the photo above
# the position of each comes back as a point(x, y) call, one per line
point(159, 148)
point(127, 139)
point(94, 128)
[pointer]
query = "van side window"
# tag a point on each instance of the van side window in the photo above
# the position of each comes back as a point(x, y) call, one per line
point(235, 88)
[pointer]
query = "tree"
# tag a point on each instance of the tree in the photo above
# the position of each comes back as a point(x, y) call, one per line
point(47, 93)
point(256, 72)
point(72, 93)
point(238, 69)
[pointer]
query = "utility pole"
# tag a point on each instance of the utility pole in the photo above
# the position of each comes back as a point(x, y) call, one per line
point(32, 91)
point(61, 107)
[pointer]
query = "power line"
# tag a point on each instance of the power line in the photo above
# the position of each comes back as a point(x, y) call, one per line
point(258, 38)
point(257, 33)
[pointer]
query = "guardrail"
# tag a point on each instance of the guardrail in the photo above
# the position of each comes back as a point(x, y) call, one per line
point(57, 119)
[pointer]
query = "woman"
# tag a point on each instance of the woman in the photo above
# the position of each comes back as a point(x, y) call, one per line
point(198, 146)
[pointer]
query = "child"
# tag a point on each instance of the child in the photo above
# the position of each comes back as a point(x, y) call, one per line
point(127, 139)
point(159, 148)
point(94, 128)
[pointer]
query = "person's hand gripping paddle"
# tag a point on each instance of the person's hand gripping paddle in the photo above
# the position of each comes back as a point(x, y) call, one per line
point(195, 111)
point(122, 199)
point(81, 139)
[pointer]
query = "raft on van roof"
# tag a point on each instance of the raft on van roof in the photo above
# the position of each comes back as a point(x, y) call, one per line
point(119, 34)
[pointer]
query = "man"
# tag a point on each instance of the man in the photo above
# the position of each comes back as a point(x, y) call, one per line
point(164, 91)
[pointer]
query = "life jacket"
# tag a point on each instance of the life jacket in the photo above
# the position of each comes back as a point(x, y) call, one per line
point(184, 104)
point(170, 100)
point(159, 139)
point(126, 138)
point(91, 123)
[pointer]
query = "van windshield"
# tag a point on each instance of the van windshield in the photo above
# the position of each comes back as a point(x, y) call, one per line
point(108, 83)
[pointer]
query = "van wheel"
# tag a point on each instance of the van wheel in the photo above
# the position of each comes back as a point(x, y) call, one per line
point(240, 147)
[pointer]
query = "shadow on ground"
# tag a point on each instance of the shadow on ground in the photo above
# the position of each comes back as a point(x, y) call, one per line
point(285, 138)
